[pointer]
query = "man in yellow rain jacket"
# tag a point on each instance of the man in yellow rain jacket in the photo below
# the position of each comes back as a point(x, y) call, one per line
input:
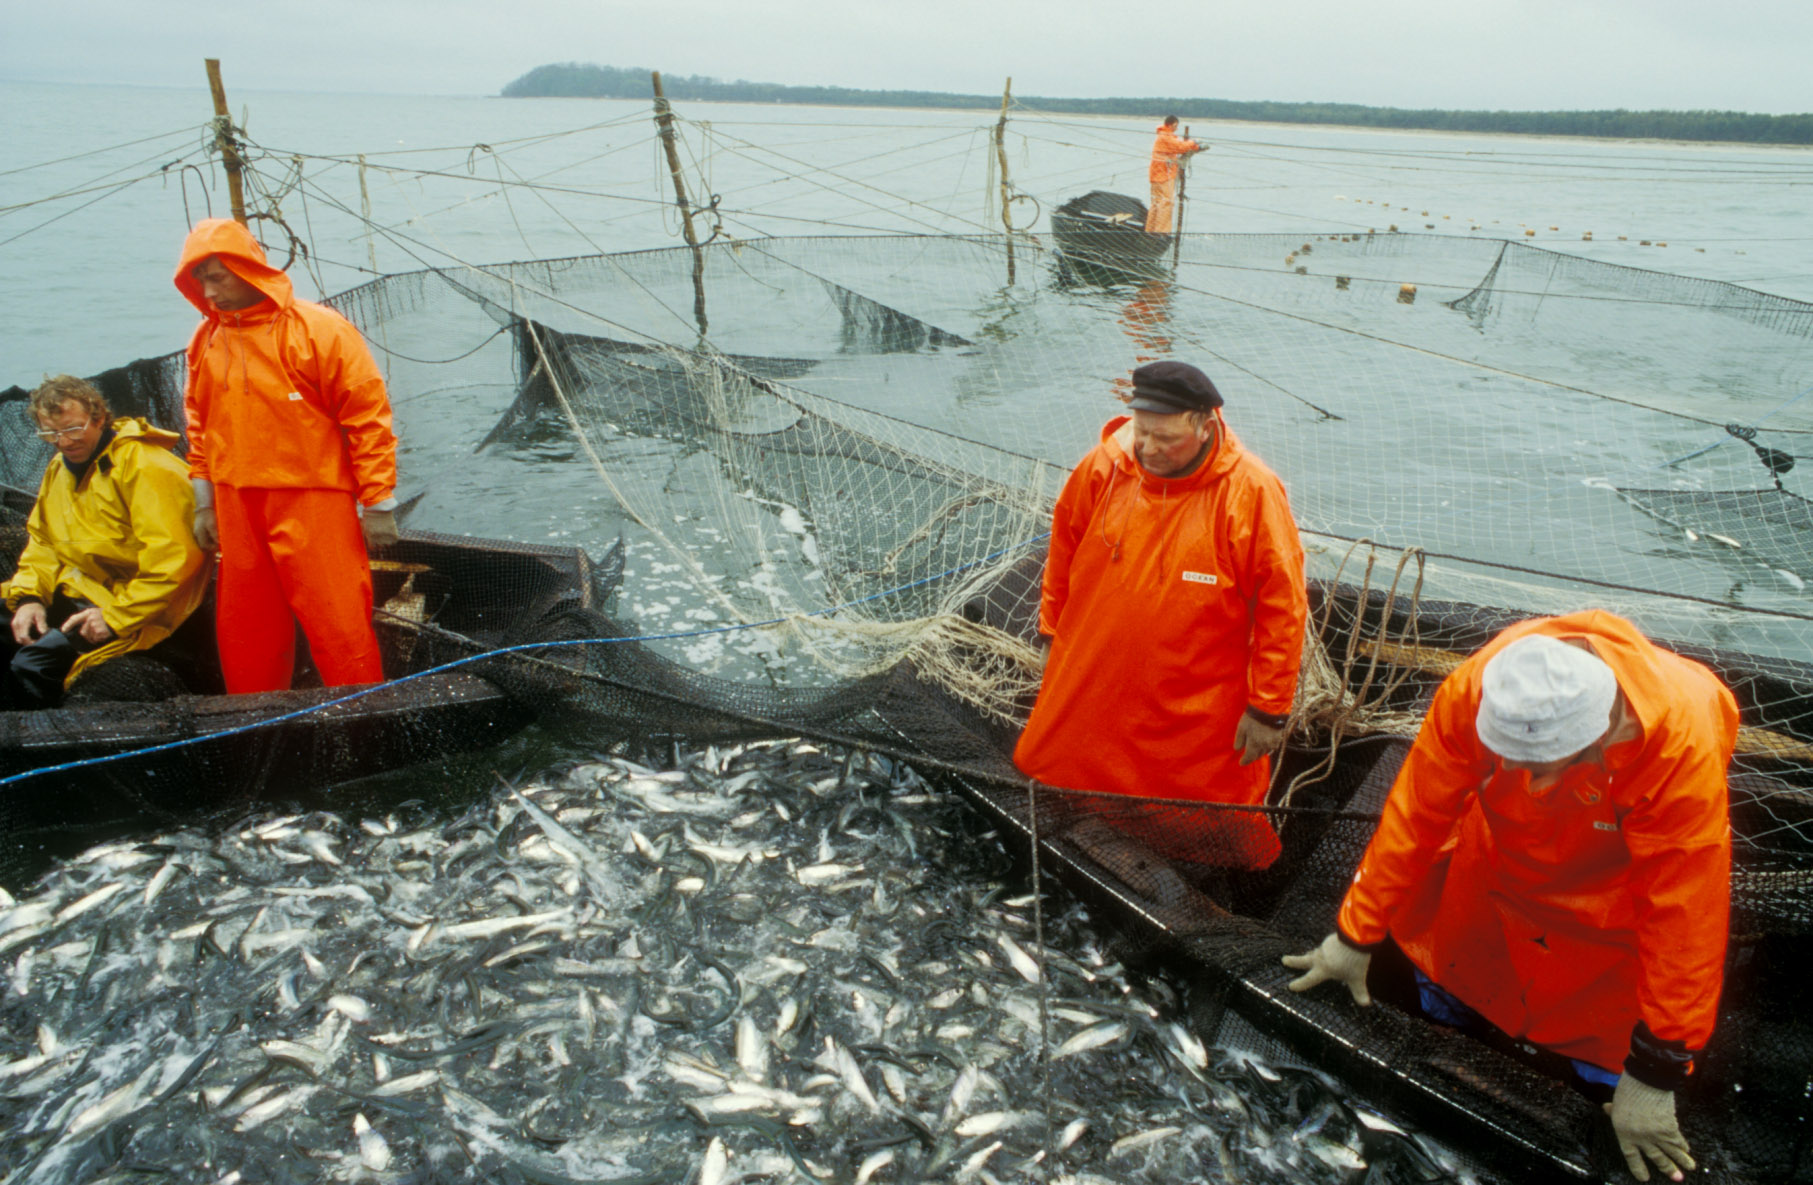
point(111, 565)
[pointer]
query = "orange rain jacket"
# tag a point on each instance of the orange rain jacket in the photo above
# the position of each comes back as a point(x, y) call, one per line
point(119, 540)
point(284, 394)
point(1172, 604)
point(1566, 916)
point(1166, 148)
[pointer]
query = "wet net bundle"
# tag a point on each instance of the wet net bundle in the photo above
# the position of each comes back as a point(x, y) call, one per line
point(824, 469)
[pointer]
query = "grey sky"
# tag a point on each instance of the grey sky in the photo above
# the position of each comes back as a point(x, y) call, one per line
point(1527, 54)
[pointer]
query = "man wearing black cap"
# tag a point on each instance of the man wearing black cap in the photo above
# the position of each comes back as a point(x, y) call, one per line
point(1174, 605)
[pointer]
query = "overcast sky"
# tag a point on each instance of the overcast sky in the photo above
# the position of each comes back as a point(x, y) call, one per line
point(1747, 55)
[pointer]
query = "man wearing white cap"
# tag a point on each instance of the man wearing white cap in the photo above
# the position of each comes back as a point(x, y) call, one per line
point(1555, 857)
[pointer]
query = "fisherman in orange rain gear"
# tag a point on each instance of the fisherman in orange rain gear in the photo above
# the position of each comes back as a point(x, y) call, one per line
point(293, 462)
point(1555, 857)
point(1166, 151)
point(1174, 604)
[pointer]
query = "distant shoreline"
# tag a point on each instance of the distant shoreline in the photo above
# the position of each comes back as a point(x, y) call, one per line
point(573, 80)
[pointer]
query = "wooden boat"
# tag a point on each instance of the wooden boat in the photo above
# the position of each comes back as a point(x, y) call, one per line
point(440, 599)
point(1101, 232)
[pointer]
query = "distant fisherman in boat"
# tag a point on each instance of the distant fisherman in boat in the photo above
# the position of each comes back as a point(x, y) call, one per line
point(110, 565)
point(1167, 149)
point(1174, 606)
point(1555, 857)
point(294, 465)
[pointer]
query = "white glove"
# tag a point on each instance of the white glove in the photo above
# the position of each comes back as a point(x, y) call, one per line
point(1643, 1118)
point(1333, 960)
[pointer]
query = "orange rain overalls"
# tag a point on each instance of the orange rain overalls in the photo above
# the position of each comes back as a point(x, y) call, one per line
point(1172, 605)
point(1566, 916)
point(1162, 173)
point(288, 418)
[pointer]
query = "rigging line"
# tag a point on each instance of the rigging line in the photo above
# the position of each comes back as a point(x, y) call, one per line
point(539, 178)
point(124, 185)
point(743, 192)
point(103, 185)
point(894, 152)
point(1568, 579)
point(785, 177)
point(111, 175)
point(188, 131)
point(1767, 305)
point(1481, 156)
point(838, 176)
point(403, 243)
point(469, 179)
point(513, 143)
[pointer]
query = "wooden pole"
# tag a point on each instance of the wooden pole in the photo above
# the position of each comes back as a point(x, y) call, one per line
point(1001, 160)
point(1183, 171)
point(664, 119)
point(223, 140)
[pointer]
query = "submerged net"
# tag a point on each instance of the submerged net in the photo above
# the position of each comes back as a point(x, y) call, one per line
point(825, 512)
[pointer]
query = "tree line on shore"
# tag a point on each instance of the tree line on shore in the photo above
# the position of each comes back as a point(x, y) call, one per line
point(576, 80)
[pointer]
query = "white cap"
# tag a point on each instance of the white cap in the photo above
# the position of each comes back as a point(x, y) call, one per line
point(1543, 700)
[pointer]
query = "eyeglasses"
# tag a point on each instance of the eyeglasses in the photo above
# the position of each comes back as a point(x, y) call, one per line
point(52, 435)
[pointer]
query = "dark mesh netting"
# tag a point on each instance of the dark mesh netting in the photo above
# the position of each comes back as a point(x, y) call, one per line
point(825, 516)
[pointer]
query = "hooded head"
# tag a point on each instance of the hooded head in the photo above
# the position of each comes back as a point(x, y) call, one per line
point(232, 245)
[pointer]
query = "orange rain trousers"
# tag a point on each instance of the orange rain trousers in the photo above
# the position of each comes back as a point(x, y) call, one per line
point(1566, 914)
point(290, 555)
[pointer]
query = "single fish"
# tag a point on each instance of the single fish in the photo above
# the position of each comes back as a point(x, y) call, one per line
point(408, 1084)
point(872, 1164)
point(1022, 962)
point(1091, 1038)
point(1139, 1140)
point(716, 1166)
point(77, 908)
point(374, 1149)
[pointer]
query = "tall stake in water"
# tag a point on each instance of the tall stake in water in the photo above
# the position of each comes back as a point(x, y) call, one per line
point(1001, 159)
point(223, 140)
point(664, 119)
point(1183, 175)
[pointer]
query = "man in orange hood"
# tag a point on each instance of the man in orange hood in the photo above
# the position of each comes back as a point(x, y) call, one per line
point(1174, 604)
point(1555, 859)
point(1167, 149)
point(293, 461)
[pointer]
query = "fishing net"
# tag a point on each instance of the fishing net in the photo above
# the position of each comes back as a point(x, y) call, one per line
point(825, 504)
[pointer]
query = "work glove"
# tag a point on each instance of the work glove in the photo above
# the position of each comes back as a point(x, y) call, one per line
point(1643, 1118)
point(380, 527)
point(1333, 960)
point(207, 529)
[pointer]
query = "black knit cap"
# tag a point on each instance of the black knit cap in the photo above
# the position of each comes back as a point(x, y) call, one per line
point(1172, 387)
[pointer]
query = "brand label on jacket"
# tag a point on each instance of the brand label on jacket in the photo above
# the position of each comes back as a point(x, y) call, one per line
point(294, 397)
point(1200, 577)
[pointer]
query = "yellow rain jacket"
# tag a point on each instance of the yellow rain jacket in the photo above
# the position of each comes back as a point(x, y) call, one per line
point(120, 540)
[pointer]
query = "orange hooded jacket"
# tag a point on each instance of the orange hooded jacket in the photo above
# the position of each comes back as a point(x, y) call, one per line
point(284, 394)
point(1166, 148)
point(1172, 605)
point(1565, 916)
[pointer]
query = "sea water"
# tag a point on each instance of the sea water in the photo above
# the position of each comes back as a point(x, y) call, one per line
point(85, 279)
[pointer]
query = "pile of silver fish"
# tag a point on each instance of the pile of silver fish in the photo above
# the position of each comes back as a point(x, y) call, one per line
point(767, 962)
